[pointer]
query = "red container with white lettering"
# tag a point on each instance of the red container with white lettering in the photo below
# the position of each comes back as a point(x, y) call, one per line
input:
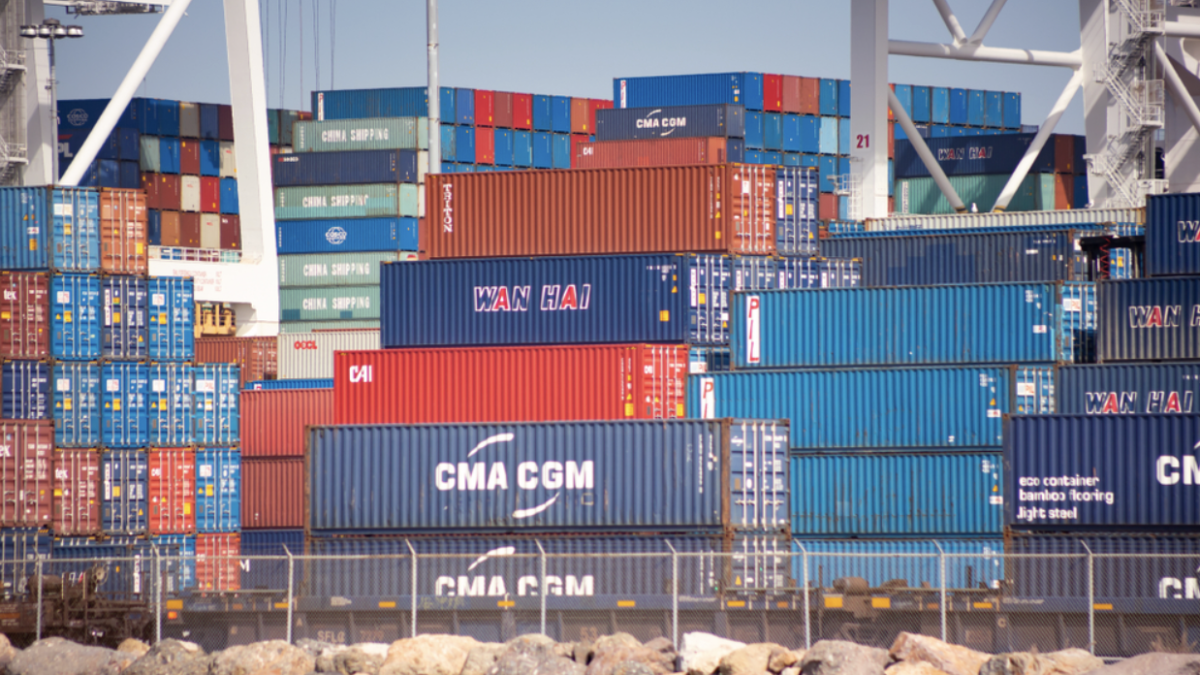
point(170, 491)
point(273, 420)
point(26, 448)
point(76, 501)
point(497, 384)
point(648, 152)
point(24, 315)
point(217, 562)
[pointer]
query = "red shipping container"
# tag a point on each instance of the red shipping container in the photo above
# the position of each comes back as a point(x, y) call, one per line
point(150, 187)
point(273, 420)
point(1064, 190)
point(649, 152)
point(189, 230)
point(485, 146)
point(891, 140)
point(170, 197)
point(485, 101)
point(25, 472)
point(24, 315)
point(522, 111)
point(189, 157)
point(256, 356)
point(502, 109)
point(891, 204)
point(272, 493)
point(580, 123)
point(210, 194)
point(727, 208)
point(772, 93)
point(304, 115)
point(791, 94)
point(494, 384)
point(76, 502)
point(218, 566)
point(594, 105)
point(170, 491)
point(123, 231)
point(1064, 153)
point(231, 233)
point(827, 206)
point(577, 142)
point(225, 122)
point(810, 96)
point(171, 230)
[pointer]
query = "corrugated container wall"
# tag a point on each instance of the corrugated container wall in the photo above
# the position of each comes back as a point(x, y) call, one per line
point(310, 355)
point(257, 356)
point(387, 102)
point(516, 213)
point(215, 402)
point(967, 155)
point(622, 124)
point(1079, 472)
point(377, 200)
point(922, 195)
point(170, 417)
point(269, 574)
point(339, 269)
point(728, 475)
point(124, 313)
point(76, 501)
point(24, 315)
point(379, 133)
point(218, 564)
point(77, 403)
point(26, 473)
point(272, 493)
point(329, 303)
point(1130, 389)
point(344, 168)
point(26, 390)
point(75, 317)
point(126, 394)
point(509, 383)
point(657, 152)
point(20, 549)
point(274, 420)
point(272, 385)
point(170, 491)
point(897, 494)
point(123, 229)
point(916, 561)
point(218, 490)
point(745, 89)
point(60, 229)
point(346, 235)
point(1148, 319)
point(123, 506)
point(1173, 235)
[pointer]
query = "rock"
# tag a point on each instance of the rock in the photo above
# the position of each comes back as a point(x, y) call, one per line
point(701, 653)
point(784, 659)
point(835, 657)
point(751, 659)
point(133, 646)
point(952, 659)
point(315, 648)
point(793, 670)
point(533, 654)
point(632, 668)
point(428, 655)
point(914, 668)
point(273, 657)
point(622, 653)
point(1156, 663)
point(366, 657)
point(56, 656)
point(171, 657)
point(481, 658)
point(7, 652)
point(1065, 662)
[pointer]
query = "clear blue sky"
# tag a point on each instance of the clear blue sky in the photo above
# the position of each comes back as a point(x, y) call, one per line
point(558, 47)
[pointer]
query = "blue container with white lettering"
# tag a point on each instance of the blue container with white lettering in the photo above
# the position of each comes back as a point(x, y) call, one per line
point(170, 405)
point(216, 393)
point(843, 98)
point(725, 121)
point(171, 319)
point(796, 221)
point(75, 317)
point(973, 155)
point(726, 476)
point(1133, 389)
point(921, 112)
point(218, 490)
point(77, 404)
point(347, 167)
point(1172, 234)
point(828, 103)
point(26, 390)
point(543, 153)
point(745, 89)
point(124, 305)
point(542, 116)
point(799, 273)
point(1149, 319)
point(124, 475)
point(347, 235)
point(126, 399)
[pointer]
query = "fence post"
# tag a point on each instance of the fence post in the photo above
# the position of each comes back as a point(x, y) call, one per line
point(674, 594)
point(807, 611)
point(157, 591)
point(542, 583)
point(942, 583)
point(1091, 568)
point(38, 572)
point(290, 590)
point(413, 587)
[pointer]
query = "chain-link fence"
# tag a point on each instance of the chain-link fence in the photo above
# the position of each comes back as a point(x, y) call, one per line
point(1110, 604)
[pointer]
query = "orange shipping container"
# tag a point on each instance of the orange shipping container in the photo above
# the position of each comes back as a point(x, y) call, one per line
point(725, 209)
point(171, 491)
point(791, 94)
point(1064, 191)
point(273, 420)
point(810, 96)
point(272, 493)
point(217, 563)
point(581, 122)
point(256, 356)
point(76, 493)
point(123, 245)
point(649, 152)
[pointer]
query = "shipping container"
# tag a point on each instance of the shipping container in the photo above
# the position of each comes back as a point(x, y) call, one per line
point(231, 232)
point(169, 155)
point(177, 560)
point(77, 404)
point(919, 325)
point(26, 473)
point(273, 493)
point(969, 155)
point(723, 121)
point(26, 390)
point(60, 229)
point(256, 356)
point(272, 385)
point(293, 327)
point(210, 230)
point(970, 562)
point(344, 168)
point(218, 490)
point(329, 303)
point(228, 166)
point(218, 566)
point(656, 152)
point(385, 102)
point(481, 214)
point(275, 420)
point(264, 573)
point(206, 193)
point(25, 319)
point(310, 355)
point(744, 89)
point(170, 415)
point(610, 382)
point(20, 549)
point(162, 191)
point(894, 494)
point(1148, 319)
point(126, 560)
point(76, 493)
point(1087, 472)
point(189, 230)
point(124, 475)
point(1131, 219)
point(346, 235)
point(170, 491)
point(922, 195)
point(189, 157)
point(379, 133)
point(618, 460)
point(796, 211)
point(123, 243)
point(125, 397)
point(343, 269)
point(959, 407)
point(1130, 389)
point(377, 200)
point(171, 319)
point(150, 154)
point(798, 273)
point(210, 158)
point(215, 393)
point(1173, 235)
point(124, 305)
point(75, 309)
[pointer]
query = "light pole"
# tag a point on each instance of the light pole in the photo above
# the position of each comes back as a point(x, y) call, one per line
point(51, 30)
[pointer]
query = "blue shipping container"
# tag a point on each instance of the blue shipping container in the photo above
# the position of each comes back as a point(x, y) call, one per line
point(448, 152)
point(969, 562)
point(129, 571)
point(773, 131)
point(904, 95)
point(124, 476)
point(77, 404)
point(346, 235)
point(503, 147)
point(125, 394)
point(209, 121)
point(60, 229)
point(725, 121)
point(168, 155)
point(344, 104)
point(210, 160)
point(560, 150)
point(75, 317)
point(939, 106)
point(993, 109)
point(170, 415)
point(755, 132)
point(542, 119)
point(26, 390)
point(844, 136)
point(1081, 472)
point(958, 107)
point(975, 108)
point(262, 573)
point(178, 560)
point(172, 318)
point(744, 89)
point(827, 167)
point(970, 155)
point(218, 490)
point(828, 98)
point(84, 113)
point(843, 98)
point(576, 476)
point(20, 549)
point(124, 305)
point(1172, 234)
point(1143, 388)
point(131, 176)
point(543, 157)
point(797, 273)
point(921, 112)
point(828, 142)
point(464, 106)
point(215, 397)
point(1148, 319)
point(464, 145)
point(1012, 110)
point(229, 196)
point(791, 139)
point(810, 134)
point(796, 224)
point(290, 384)
point(560, 114)
point(168, 117)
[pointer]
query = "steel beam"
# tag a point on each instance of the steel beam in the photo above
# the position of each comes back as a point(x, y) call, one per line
point(868, 107)
point(952, 24)
point(1039, 141)
point(918, 143)
point(1175, 85)
point(1029, 57)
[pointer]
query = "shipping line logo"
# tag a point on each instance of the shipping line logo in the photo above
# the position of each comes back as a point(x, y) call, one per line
point(554, 298)
point(968, 153)
point(495, 586)
point(1189, 231)
point(448, 207)
point(335, 236)
point(77, 117)
point(1126, 402)
point(665, 126)
point(1161, 316)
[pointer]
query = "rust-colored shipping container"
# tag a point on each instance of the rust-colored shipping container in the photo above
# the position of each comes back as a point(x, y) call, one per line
point(502, 109)
point(891, 204)
point(189, 230)
point(1064, 191)
point(210, 194)
point(522, 111)
point(485, 146)
point(272, 493)
point(25, 472)
point(256, 356)
point(772, 93)
point(24, 315)
point(594, 105)
point(225, 122)
point(189, 157)
point(170, 491)
point(485, 102)
point(123, 224)
point(163, 191)
point(231, 233)
point(494, 384)
point(76, 501)
point(649, 152)
point(727, 208)
point(580, 122)
point(217, 564)
point(810, 96)
point(1064, 153)
point(791, 94)
point(891, 140)
point(827, 206)
point(273, 420)
point(171, 229)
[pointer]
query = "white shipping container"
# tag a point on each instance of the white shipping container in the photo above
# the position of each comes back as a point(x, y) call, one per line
point(310, 355)
point(210, 230)
point(189, 193)
point(228, 168)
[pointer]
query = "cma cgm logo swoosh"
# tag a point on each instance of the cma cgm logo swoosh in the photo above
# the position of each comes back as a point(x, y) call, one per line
point(493, 476)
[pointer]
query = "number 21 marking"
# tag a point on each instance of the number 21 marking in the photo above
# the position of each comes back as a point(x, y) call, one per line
point(864, 141)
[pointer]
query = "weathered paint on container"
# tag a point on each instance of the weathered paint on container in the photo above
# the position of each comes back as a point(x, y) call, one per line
point(77, 405)
point(218, 490)
point(509, 383)
point(26, 473)
point(961, 407)
point(339, 269)
point(922, 195)
point(275, 420)
point(722, 121)
point(378, 133)
point(897, 494)
point(329, 303)
point(76, 493)
point(918, 325)
point(125, 396)
point(970, 562)
point(347, 235)
point(1148, 319)
point(218, 564)
point(171, 319)
point(123, 225)
point(170, 491)
point(25, 318)
point(969, 155)
point(1081, 472)
point(518, 213)
point(656, 152)
point(310, 355)
point(273, 493)
point(170, 414)
point(75, 316)
point(377, 200)
point(728, 475)
point(1173, 235)
point(348, 167)
point(1130, 389)
point(124, 305)
point(215, 394)
point(744, 89)
point(256, 356)
point(26, 390)
point(124, 476)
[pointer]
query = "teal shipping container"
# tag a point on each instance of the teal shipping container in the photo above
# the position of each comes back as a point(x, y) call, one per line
point(347, 201)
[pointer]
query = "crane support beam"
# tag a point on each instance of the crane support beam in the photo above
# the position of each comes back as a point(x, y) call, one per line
point(1028, 57)
point(1039, 141)
point(1175, 85)
point(918, 143)
point(985, 24)
point(952, 24)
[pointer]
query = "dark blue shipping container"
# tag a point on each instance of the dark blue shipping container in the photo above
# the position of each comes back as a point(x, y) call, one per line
point(346, 235)
point(921, 112)
point(464, 145)
point(726, 121)
point(20, 549)
point(84, 113)
point(930, 258)
point(1172, 234)
point(1084, 472)
point(168, 153)
point(993, 109)
point(744, 89)
point(210, 159)
point(1082, 196)
point(129, 573)
point(560, 151)
point(170, 417)
point(543, 154)
point(543, 119)
point(796, 222)
point(817, 273)
point(130, 176)
point(971, 155)
point(108, 172)
point(209, 124)
point(77, 404)
point(773, 131)
point(1148, 319)
point(124, 306)
point(218, 490)
point(1129, 389)
point(754, 130)
point(349, 167)
point(124, 475)
point(290, 384)
point(125, 394)
point(216, 392)
point(170, 334)
point(828, 98)
point(168, 117)
point(75, 317)
point(843, 98)
point(154, 227)
point(272, 126)
point(262, 573)
point(464, 107)
point(229, 196)
point(724, 476)
point(958, 107)
point(560, 114)
point(26, 390)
